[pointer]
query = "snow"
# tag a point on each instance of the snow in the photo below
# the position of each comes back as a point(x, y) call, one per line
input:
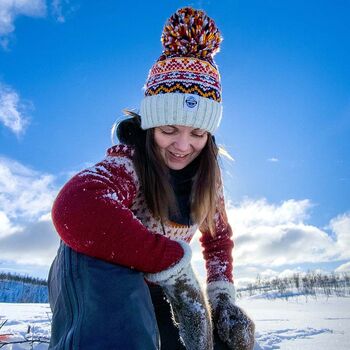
point(300, 322)
point(296, 323)
point(19, 317)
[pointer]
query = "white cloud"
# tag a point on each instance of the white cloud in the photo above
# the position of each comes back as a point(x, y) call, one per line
point(25, 194)
point(343, 268)
point(252, 213)
point(60, 8)
point(273, 160)
point(275, 235)
point(6, 226)
point(36, 243)
point(10, 9)
point(275, 239)
point(340, 225)
point(268, 274)
point(27, 235)
point(13, 111)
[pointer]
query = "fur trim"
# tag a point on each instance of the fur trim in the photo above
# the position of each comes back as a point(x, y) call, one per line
point(169, 274)
point(214, 289)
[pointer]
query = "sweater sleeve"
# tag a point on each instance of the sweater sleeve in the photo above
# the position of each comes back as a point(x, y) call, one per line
point(217, 249)
point(92, 215)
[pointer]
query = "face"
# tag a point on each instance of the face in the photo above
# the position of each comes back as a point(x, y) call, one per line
point(179, 145)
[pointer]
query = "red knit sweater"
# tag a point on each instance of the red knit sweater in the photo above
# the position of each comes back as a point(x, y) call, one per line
point(101, 212)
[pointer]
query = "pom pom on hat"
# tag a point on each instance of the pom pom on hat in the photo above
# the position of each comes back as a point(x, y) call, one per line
point(189, 32)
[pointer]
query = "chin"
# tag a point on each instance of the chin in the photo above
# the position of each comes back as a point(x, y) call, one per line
point(176, 166)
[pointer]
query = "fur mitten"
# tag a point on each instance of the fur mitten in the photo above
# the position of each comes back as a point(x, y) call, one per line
point(190, 309)
point(233, 325)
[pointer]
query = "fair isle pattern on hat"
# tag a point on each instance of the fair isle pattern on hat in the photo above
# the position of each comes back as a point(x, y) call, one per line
point(184, 75)
point(183, 87)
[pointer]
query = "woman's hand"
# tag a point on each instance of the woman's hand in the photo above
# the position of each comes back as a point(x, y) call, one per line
point(190, 309)
point(233, 325)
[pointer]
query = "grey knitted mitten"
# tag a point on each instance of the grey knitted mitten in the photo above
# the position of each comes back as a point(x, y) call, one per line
point(233, 325)
point(190, 309)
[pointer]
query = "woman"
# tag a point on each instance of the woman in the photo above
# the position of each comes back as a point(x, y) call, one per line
point(122, 278)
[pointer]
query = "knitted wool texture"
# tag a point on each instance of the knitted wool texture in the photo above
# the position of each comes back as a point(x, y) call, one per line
point(183, 87)
point(101, 212)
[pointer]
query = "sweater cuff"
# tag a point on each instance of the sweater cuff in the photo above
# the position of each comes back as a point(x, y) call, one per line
point(214, 289)
point(174, 270)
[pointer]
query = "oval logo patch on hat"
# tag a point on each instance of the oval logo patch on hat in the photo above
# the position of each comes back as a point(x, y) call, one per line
point(191, 102)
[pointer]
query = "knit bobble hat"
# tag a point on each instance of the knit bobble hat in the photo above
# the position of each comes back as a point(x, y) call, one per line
point(183, 86)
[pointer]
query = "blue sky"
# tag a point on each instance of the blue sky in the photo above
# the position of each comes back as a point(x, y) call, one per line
point(69, 67)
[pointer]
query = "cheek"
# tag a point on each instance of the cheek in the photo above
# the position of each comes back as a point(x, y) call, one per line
point(200, 144)
point(161, 141)
point(158, 140)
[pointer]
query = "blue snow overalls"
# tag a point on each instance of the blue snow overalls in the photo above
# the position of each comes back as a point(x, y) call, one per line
point(98, 305)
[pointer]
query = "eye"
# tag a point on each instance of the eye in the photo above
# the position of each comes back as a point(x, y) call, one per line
point(199, 133)
point(168, 130)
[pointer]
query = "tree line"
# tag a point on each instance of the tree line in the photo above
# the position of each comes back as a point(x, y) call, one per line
point(8, 276)
point(15, 288)
point(308, 284)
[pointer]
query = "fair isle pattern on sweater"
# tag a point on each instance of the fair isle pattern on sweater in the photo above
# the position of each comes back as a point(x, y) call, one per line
point(101, 212)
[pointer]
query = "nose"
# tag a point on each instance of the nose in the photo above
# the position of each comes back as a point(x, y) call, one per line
point(182, 143)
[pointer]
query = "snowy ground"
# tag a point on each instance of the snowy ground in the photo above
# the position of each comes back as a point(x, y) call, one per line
point(298, 323)
point(301, 323)
point(24, 320)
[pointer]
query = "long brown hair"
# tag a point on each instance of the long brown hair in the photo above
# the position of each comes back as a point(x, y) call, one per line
point(154, 174)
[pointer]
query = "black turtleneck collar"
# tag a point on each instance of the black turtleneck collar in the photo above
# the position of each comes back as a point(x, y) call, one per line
point(181, 181)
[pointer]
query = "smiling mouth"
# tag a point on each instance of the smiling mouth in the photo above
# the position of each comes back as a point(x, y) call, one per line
point(178, 155)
